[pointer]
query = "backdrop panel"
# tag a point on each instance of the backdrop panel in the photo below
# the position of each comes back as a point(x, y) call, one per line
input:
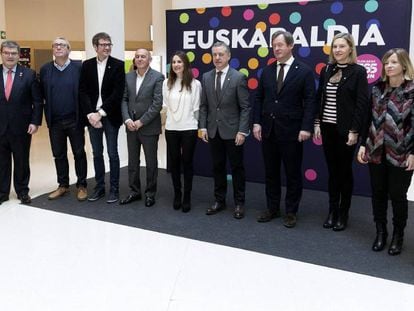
point(248, 29)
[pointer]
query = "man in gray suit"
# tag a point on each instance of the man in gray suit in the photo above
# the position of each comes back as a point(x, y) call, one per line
point(224, 123)
point(141, 106)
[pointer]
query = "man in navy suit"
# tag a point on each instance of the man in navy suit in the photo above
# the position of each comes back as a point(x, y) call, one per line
point(101, 88)
point(283, 120)
point(224, 124)
point(20, 117)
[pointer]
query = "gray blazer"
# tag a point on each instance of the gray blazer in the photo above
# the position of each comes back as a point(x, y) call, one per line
point(228, 114)
point(147, 104)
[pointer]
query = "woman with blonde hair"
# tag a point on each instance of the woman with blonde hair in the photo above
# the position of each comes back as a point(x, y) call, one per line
point(388, 146)
point(343, 100)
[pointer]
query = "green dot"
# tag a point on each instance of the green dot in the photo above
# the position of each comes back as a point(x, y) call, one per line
point(244, 71)
point(263, 51)
point(371, 6)
point(328, 22)
point(295, 17)
point(191, 56)
point(184, 18)
point(262, 6)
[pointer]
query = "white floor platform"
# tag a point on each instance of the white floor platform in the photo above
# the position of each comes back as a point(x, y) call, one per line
point(58, 262)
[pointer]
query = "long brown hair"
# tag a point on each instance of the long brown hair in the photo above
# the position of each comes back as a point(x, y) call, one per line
point(187, 72)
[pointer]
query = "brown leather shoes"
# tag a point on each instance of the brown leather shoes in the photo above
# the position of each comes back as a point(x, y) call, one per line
point(289, 221)
point(59, 192)
point(267, 215)
point(82, 194)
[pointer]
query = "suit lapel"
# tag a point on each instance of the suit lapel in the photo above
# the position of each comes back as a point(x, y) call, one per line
point(144, 82)
point(2, 95)
point(17, 81)
point(291, 74)
point(108, 72)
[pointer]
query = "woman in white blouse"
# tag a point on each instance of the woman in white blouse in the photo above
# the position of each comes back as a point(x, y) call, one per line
point(181, 95)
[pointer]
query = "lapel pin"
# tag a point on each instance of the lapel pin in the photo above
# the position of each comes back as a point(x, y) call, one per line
point(21, 74)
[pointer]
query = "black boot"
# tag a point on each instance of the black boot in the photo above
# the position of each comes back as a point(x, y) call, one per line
point(186, 207)
point(396, 243)
point(331, 219)
point(342, 220)
point(177, 200)
point(381, 238)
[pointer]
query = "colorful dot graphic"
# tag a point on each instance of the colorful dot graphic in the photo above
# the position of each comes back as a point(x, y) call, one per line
point(271, 61)
point(252, 83)
point(196, 72)
point(303, 2)
point(191, 56)
point(253, 63)
point(262, 26)
point(317, 142)
point(304, 51)
point(328, 22)
point(206, 58)
point(326, 49)
point(259, 72)
point(310, 174)
point(262, 6)
point(201, 10)
point(373, 22)
point(184, 18)
point(371, 6)
point(214, 22)
point(234, 63)
point(248, 14)
point(337, 7)
point(263, 51)
point(226, 11)
point(244, 71)
point(274, 19)
point(295, 17)
point(319, 67)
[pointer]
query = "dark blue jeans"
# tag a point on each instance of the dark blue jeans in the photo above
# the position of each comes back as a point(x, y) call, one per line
point(111, 136)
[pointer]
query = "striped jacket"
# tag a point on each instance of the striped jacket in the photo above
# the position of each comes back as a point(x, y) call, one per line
point(392, 124)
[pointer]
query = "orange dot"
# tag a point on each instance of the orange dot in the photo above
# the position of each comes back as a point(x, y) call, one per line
point(274, 19)
point(262, 26)
point(253, 63)
point(201, 10)
point(252, 83)
point(206, 58)
point(327, 49)
point(319, 67)
point(226, 11)
point(271, 61)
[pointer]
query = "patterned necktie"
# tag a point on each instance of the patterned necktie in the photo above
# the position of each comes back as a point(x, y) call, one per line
point(218, 84)
point(280, 77)
point(9, 84)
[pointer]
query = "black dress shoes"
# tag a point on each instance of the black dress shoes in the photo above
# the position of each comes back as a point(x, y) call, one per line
point(381, 238)
point(289, 221)
point(330, 220)
point(177, 202)
point(215, 208)
point(96, 195)
point(186, 207)
point(130, 198)
point(238, 212)
point(25, 199)
point(149, 201)
point(396, 244)
point(267, 215)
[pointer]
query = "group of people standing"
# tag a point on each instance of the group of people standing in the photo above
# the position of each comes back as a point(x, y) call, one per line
point(287, 111)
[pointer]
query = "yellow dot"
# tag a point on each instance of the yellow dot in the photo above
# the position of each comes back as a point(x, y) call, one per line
point(253, 63)
point(262, 26)
point(206, 58)
point(184, 18)
point(327, 49)
point(201, 10)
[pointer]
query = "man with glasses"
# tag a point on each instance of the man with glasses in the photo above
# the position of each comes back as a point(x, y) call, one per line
point(59, 81)
point(20, 117)
point(101, 88)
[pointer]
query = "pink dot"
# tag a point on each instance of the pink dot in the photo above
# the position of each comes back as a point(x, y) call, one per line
point(310, 174)
point(303, 2)
point(248, 14)
point(196, 72)
point(317, 142)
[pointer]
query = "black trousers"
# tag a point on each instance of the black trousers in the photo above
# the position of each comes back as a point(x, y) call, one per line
point(339, 157)
point(290, 153)
point(220, 150)
point(59, 133)
point(180, 148)
point(390, 182)
point(150, 145)
point(18, 148)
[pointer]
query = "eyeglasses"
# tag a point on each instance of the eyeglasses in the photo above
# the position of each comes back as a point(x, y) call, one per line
point(14, 54)
point(105, 45)
point(59, 45)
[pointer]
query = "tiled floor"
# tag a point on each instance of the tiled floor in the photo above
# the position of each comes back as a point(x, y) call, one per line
point(53, 261)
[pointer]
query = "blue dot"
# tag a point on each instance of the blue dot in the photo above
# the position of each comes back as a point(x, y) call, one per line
point(373, 22)
point(304, 51)
point(295, 17)
point(214, 22)
point(234, 63)
point(337, 7)
point(259, 72)
point(371, 6)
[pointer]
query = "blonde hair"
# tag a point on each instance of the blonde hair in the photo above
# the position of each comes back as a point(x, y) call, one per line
point(403, 59)
point(350, 40)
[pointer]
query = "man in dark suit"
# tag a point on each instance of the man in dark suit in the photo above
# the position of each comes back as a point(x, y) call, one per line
point(59, 81)
point(101, 88)
point(141, 107)
point(20, 117)
point(224, 124)
point(283, 120)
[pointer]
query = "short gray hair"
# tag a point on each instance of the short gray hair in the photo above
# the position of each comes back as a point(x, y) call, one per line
point(221, 44)
point(10, 44)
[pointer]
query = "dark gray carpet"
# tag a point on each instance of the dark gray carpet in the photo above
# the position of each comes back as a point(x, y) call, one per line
point(349, 250)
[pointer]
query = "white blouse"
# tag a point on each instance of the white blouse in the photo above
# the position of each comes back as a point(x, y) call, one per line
point(182, 106)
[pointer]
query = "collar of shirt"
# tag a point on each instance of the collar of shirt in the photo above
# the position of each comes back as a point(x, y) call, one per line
point(6, 70)
point(63, 67)
point(102, 63)
point(288, 62)
point(224, 71)
point(143, 76)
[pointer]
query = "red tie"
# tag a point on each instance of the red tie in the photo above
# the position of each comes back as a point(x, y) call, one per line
point(9, 84)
